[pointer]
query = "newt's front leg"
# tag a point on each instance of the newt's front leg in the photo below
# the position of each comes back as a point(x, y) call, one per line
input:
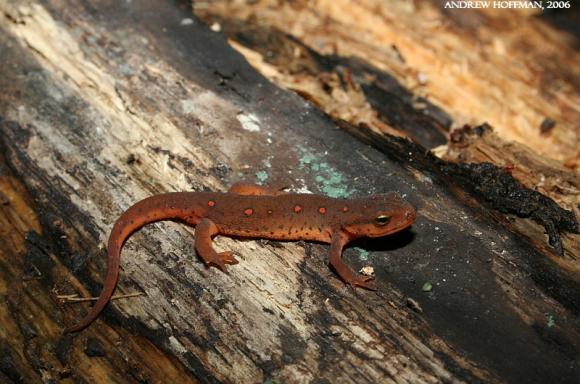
point(205, 230)
point(249, 189)
point(338, 241)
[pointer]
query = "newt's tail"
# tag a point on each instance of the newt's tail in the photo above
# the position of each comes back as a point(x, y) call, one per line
point(149, 210)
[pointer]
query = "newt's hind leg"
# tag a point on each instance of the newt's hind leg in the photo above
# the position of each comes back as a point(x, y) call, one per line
point(337, 244)
point(205, 230)
point(249, 189)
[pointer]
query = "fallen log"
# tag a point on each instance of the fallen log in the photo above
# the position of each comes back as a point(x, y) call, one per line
point(108, 103)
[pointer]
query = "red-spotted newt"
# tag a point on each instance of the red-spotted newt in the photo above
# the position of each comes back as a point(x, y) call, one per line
point(254, 211)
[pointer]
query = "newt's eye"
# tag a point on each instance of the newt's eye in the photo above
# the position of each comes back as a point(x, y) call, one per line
point(382, 220)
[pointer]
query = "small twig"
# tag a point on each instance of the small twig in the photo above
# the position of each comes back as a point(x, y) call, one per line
point(75, 299)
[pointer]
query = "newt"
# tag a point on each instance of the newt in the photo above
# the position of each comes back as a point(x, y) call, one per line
point(254, 211)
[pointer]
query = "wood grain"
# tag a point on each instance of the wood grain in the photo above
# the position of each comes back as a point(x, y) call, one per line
point(104, 104)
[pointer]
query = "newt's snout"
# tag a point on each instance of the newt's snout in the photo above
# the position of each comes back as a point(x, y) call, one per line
point(380, 215)
point(403, 217)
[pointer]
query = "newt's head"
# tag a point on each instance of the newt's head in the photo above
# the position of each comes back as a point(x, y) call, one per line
point(378, 215)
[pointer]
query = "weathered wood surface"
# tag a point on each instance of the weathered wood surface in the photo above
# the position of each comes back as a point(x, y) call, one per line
point(410, 87)
point(516, 69)
point(107, 103)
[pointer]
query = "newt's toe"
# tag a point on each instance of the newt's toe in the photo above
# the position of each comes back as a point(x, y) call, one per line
point(218, 264)
point(227, 257)
point(220, 260)
point(363, 282)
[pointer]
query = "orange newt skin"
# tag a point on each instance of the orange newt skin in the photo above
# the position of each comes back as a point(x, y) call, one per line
point(254, 211)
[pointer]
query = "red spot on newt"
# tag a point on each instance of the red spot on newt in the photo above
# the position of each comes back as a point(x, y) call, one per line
point(322, 210)
point(248, 211)
point(297, 209)
point(345, 209)
point(211, 203)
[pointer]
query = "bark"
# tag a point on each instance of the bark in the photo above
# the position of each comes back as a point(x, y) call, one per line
point(105, 103)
